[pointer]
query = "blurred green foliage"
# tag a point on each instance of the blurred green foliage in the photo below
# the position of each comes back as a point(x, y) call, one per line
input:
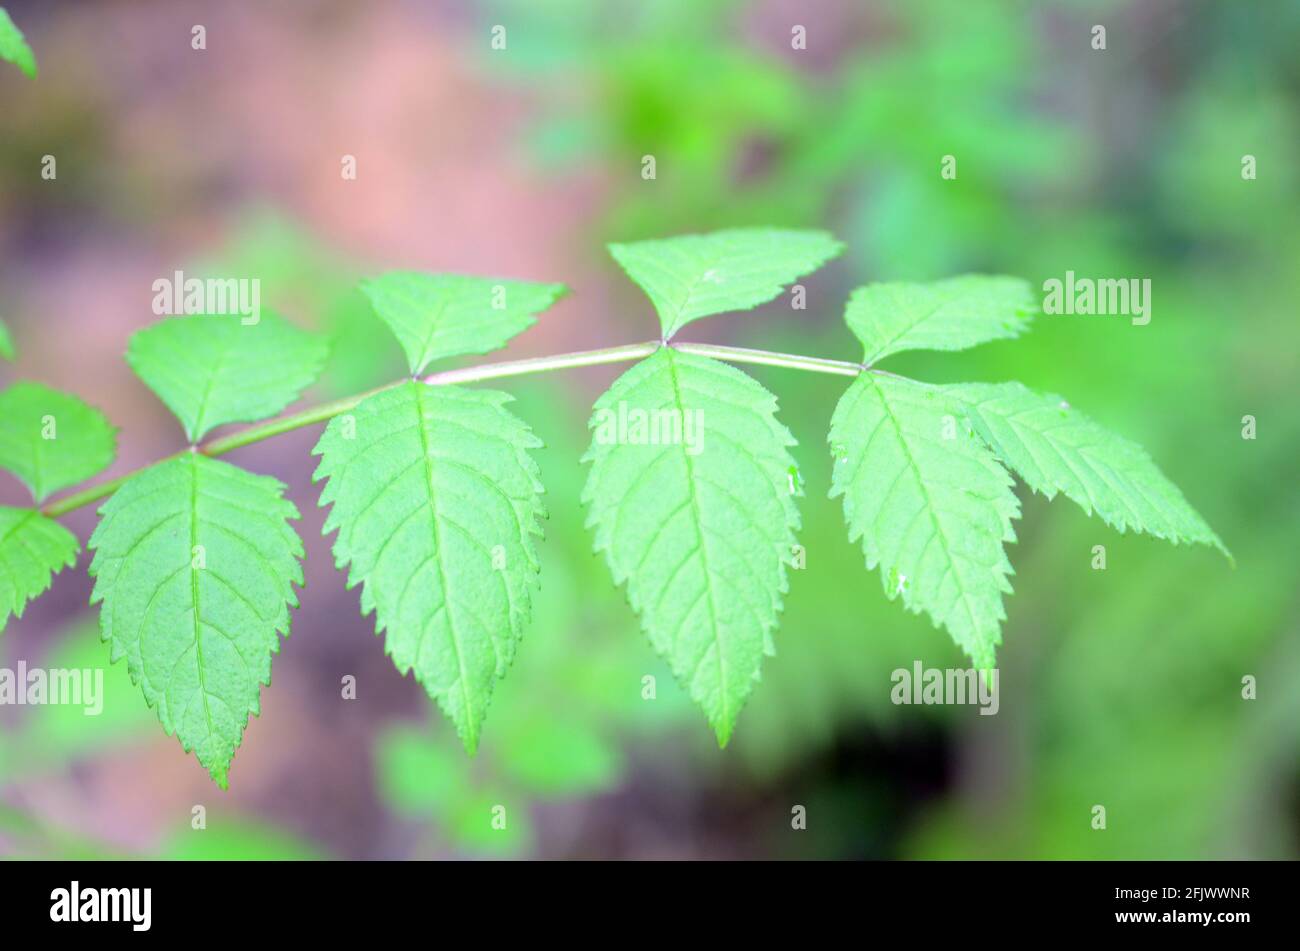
point(48, 741)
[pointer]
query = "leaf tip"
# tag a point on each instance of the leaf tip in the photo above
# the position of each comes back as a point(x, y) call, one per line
point(724, 729)
point(469, 738)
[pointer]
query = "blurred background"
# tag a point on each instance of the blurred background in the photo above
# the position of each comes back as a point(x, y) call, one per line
point(1120, 687)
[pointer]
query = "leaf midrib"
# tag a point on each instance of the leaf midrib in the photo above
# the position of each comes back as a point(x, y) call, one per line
point(425, 451)
point(696, 521)
point(27, 517)
point(207, 394)
point(929, 503)
point(194, 592)
point(882, 349)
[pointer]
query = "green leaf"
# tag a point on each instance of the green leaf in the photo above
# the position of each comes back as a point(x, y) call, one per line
point(51, 440)
point(931, 503)
point(692, 499)
point(238, 839)
point(436, 501)
point(62, 733)
point(1055, 448)
point(695, 276)
point(6, 343)
point(14, 48)
point(944, 315)
point(194, 565)
point(442, 315)
point(215, 369)
point(33, 549)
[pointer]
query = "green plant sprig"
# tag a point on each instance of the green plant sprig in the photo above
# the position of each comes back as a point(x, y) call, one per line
point(324, 412)
point(692, 492)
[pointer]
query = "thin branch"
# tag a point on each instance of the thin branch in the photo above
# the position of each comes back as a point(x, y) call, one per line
point(563, 361)
point(486, 371)
point(768, 358)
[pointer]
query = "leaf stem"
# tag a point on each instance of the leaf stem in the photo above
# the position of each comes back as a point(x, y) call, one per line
point(284, 424)
point(768, 358)
point(485, 371)
point(562, 361)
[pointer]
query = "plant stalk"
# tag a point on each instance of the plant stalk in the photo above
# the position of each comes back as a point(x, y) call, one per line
point(768, 358)
point(485, 371)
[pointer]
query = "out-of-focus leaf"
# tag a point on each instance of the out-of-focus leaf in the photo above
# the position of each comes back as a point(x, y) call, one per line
point(50, 439)
point(558, 758)
point(238, 840)
point(33, 548)
point(13, 46)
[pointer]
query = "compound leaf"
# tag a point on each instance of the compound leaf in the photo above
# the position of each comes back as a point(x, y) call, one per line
point(931, 503)
point(442, 315)
point(33, 548)
point(691, 494)
point(436, 502)
point(1055, 448)
point(51, 440)
point(13, 46)
point(952, 314)
point(215, 369)
point(195, 563)
point(695, 276)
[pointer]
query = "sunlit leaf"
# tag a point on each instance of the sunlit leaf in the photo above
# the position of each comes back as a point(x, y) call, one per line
point(696, 276)
point(194, 568)
point(33, 548)
point(930, 502)
point(443, 315)
point(211, 369)
point(51, 440)
point(436, 501)
point(698, 518)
